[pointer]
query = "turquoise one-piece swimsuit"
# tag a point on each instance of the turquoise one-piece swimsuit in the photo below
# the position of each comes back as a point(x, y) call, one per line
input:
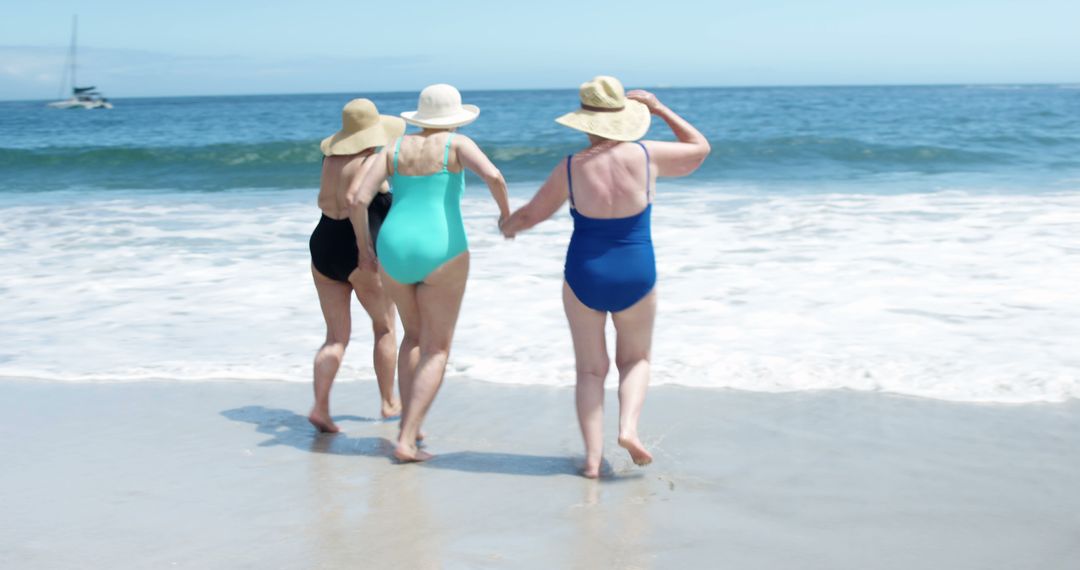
point(424, 228)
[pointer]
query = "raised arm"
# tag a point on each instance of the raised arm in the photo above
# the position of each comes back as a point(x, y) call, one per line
point(474, 159)
point(673, 158)
point(361, 192)
point(548, 199)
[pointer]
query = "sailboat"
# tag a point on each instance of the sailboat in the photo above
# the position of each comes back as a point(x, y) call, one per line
point(81, 97)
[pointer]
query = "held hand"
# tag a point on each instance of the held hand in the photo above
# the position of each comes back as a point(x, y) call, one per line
point(646, 98)
point(367, 261)
point(502, 224)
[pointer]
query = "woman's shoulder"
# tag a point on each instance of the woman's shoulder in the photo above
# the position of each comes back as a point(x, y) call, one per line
point(633, 150)
point(459, 138)
point(626, 150)
point(453, 137)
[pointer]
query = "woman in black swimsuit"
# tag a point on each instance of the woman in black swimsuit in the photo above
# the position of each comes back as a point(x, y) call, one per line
point(334, 254)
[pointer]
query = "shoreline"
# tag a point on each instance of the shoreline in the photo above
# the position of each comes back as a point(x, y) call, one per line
point(734, 391)
point(212, 474)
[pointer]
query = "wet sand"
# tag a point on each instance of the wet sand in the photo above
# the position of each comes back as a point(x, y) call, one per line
point(231, 475)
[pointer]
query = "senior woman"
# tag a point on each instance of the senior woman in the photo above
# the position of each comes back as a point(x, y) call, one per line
point(422, 247)
point(347, 156)
point(610, 266)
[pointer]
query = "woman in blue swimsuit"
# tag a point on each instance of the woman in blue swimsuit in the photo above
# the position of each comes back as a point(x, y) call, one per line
point(610, 267)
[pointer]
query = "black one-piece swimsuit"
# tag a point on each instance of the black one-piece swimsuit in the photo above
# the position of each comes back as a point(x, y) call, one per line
point(333, 243)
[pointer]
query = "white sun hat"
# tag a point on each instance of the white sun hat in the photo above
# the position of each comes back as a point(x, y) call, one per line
point(606, 112)
point(440, 108)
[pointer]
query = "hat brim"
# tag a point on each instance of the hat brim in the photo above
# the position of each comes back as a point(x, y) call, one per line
point(351, 142)
point(629, 124)
point(466, 115)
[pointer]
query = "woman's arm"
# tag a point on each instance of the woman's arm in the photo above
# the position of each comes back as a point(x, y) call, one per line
point(673, 158)
point(474, 159)
point(548, 199)
point(360, 194)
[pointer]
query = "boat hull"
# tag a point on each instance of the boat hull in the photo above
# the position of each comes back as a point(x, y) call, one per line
point(77, 104)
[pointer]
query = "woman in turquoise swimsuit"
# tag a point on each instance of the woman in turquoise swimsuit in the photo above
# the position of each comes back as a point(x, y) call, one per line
point(610, 267)
point(423, 252)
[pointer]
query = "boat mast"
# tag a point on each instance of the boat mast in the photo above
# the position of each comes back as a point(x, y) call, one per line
point(74, 33)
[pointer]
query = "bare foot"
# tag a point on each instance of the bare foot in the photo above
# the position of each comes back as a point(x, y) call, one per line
point(638, 453)
point(322, 422)
point(391, 409)
point(410, 454)
point(591, 472)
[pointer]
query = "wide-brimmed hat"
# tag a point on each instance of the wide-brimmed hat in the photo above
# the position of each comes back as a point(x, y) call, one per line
point(606, 112)
point(362, 127)
point(440, 108)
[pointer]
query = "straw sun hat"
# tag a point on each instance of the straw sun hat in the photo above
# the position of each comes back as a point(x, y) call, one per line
point(606, 112)
point(440, 108)
point(362, 127)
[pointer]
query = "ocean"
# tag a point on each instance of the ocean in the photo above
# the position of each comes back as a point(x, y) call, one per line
point(918, 240)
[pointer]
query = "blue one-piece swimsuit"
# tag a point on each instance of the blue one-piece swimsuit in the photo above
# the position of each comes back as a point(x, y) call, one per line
point(610, 264)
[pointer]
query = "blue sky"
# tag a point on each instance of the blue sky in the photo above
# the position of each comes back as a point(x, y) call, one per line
point(132, 48)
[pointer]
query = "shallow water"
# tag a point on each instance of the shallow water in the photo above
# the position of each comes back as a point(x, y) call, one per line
point(923, 241)
point(941, 295)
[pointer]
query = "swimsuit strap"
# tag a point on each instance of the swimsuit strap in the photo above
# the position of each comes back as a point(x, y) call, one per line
point(446, 152)
point(397, 147)
point(648, 175)
point(570, 180)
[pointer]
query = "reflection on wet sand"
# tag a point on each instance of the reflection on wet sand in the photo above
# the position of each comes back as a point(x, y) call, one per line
point(601, 544)
point(359, 517)
point(369, 514)
point(400, 512)
point(328, 532)
point(369, 518)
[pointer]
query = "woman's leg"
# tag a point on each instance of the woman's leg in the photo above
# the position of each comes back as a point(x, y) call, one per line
point(439, 301)
point(633, 350)
point(590, 353)
point(380, 307)
point(334, 298)
point(404, 296)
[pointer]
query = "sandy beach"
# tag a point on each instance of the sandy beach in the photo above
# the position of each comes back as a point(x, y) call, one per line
point(864, 220)
point(230, 475)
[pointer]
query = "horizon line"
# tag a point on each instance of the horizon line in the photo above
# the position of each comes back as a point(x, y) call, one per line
point(516, 89)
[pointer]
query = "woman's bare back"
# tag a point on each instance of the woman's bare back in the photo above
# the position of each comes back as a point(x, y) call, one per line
point(339, 174)
point(421, 154)
point(610, 180)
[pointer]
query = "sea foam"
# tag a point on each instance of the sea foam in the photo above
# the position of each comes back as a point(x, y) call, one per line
point(944, 295)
